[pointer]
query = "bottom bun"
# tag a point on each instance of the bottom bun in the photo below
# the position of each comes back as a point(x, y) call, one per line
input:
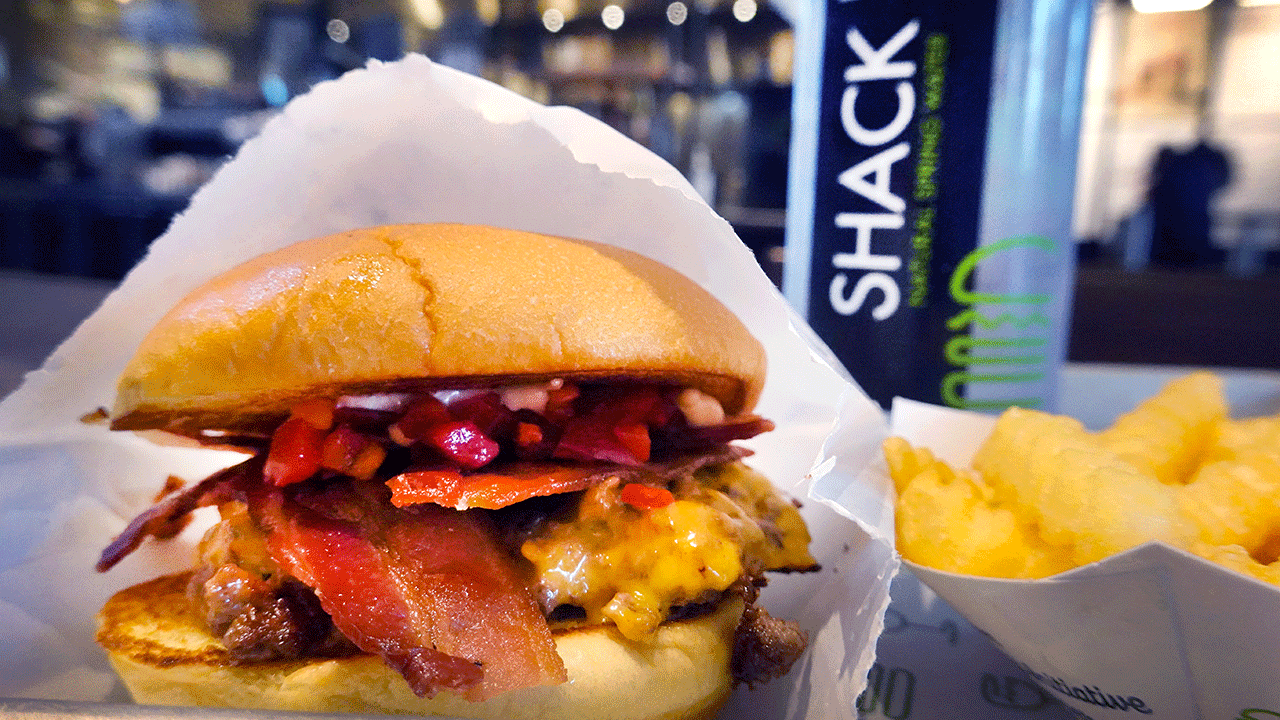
point(165, 657)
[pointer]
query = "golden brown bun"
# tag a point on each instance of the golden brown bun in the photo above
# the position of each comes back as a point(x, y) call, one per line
point(157, 646)
point(411, 305)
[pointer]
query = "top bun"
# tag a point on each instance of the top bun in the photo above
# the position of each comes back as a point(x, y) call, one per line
point(407, 307)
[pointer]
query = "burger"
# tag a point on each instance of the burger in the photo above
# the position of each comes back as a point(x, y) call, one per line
point(488, 473)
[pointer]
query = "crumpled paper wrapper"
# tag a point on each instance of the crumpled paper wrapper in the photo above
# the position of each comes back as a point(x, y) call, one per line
point(412, 141)
point(1152, 632)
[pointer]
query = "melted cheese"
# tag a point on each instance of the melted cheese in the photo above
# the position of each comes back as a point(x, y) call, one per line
point(237, 541)
point(632, 566)
point(616, 562)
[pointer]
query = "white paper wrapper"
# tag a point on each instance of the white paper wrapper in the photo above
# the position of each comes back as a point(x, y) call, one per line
point(415, 142)
point(1152, 632)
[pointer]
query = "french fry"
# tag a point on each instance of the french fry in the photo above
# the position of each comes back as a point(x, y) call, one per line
point(1236, 501)
point(954, 523)
point(1232, 437)
point(1044, 494)
point(1080, 493)
point(906, 461)
point(1167, 434)
point(1237, 558)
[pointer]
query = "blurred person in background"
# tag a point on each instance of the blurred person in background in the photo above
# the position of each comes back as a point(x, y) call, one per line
point(1183, 186)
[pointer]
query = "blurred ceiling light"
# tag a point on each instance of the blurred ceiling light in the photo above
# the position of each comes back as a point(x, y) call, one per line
point(338, 31)
point(781, 52)
point(744, 10)
point(719, 63)
point(428, 12)
point(1256, 3)
point(612, 16)
point(1157, 6)
point(678, 12)
point(553, 20)
point(680, 109)
point(274, 90)
point(198, 65)
point(489, 11)
point(568, 9)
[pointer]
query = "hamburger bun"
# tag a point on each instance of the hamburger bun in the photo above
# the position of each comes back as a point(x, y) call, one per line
point(409, 306)
point(165, 656)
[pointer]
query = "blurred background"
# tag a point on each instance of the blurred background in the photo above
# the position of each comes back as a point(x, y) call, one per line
point(114, 111)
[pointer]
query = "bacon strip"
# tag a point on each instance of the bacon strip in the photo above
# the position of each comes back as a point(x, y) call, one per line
point(494, 489)
point(498, 487)
point(683, 439)
point(167, 517)
point(428, 589)
point(679, 467)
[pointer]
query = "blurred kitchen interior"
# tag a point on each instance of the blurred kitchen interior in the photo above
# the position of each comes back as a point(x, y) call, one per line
point(114, 111)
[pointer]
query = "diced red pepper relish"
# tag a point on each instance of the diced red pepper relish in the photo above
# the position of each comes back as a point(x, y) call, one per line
point(295, 454)
point(418, 420)
point(349, 452)
point(595, 423)
point(485, 410)
point(560, 402)
point(462, 442)
point(587, 439)
point(635, 438)
point(528, 434)
point(318, 412)
point(616, 429)
point(646, 497)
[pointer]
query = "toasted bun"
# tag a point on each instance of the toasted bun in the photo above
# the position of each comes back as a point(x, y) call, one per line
point(421, 306)
point(165, 657)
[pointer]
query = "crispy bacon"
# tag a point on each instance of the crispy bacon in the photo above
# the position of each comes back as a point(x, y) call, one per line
point(167, 517)
point(675, 440)
point(491, 490)
point(679, 467)
point(430, 590)
point(507, 484)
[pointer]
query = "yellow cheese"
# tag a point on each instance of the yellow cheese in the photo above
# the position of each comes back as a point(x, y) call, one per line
point(631, 566)
point(618, 563)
